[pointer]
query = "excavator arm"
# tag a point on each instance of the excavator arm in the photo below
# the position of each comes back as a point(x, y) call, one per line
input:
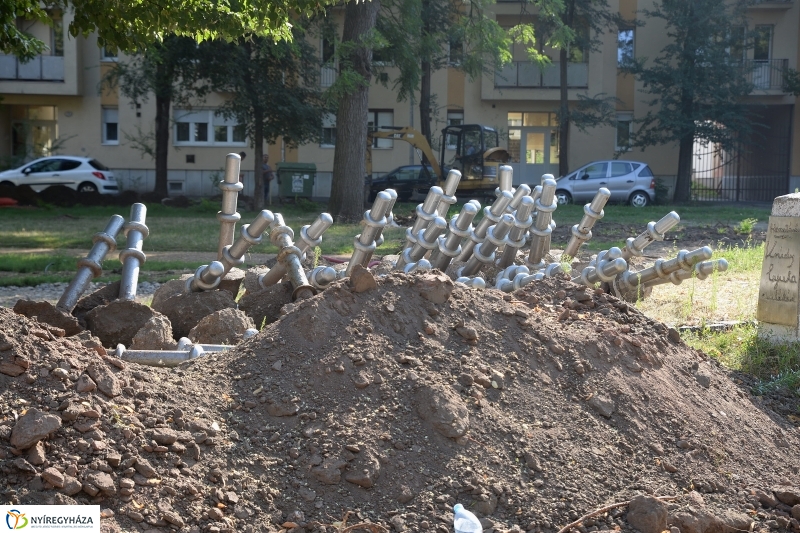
point(409, 135)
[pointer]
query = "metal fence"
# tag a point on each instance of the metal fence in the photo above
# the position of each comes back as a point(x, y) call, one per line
point(766, 74)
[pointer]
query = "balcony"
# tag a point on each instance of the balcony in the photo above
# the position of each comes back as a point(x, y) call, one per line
point(770, 4)
point(327, 75)
point(40, 68)
point(525, 74)
point(766, 74)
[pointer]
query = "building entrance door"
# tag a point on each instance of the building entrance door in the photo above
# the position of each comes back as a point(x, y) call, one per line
point(539, 154)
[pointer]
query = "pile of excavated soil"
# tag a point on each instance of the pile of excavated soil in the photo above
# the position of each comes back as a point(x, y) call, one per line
point(393, 404)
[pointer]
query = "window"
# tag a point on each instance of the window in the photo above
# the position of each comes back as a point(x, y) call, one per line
point(328, 131)
point(108, 53)
point(98, 165)
point(377, 119)
point(456, 50)
point(514, 139)
point(620, 169)
point(454, 118)
point(49, 165)
point(110, 125)
point(594, 171)
point(624, 128)
point(57, 33)
point(762, 43)
point(625, 53)
point(208, 128)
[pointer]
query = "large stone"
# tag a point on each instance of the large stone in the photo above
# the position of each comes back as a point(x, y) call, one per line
point(361, 280)
point(435, 288)
point(251, 278)
point(102, 296)
point(232, 281)
point(364, 471)
point(226, 326)
point(602, 405)
point(169, 289)
point(32, 427)
point(696, 521)
point(788, 495)
point(186, 310)
point(47, 313)
point(264, 306)
point(443, 408)
point(105, 379)
point(156, 334)
point(647, 514)
point(118, 321)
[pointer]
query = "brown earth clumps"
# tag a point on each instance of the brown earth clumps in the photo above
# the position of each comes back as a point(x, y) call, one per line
point(532, 409)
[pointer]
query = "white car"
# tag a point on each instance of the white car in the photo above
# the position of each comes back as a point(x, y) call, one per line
point(80, 173)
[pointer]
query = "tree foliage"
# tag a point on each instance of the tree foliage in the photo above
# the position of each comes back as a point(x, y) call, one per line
point(696, 86)
point(275, 92)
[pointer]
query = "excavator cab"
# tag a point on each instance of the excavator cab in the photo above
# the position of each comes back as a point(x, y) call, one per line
point(478, 154)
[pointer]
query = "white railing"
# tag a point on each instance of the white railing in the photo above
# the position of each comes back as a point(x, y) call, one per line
point(40, 68)
point(327, 75)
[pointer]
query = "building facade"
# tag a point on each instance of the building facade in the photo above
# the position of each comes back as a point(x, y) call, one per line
point(56, 103)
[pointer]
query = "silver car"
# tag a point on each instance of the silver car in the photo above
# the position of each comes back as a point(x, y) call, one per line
point(80, 173)
point(628, 181)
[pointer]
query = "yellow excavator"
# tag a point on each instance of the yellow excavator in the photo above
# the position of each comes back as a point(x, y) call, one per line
point(477, 156)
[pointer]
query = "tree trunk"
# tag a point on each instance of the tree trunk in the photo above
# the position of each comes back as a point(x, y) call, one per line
point(258, 146)
point(162, 143)
point(349, 168)
point(563, 117)
point(683, 185)
point(425, 104)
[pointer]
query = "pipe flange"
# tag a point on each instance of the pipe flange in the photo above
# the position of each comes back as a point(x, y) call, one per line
point(280, 231)
point(302, 288)
point(132, 252)
point(102, 236)
point(540, 207)
point(579, 235)
point(427, 217)
point(92, 265)
point(134, 225)
point(480, 256)
point(542, 232)
point(366, 248)
point(306, 238)
point(228, 217)
point(245, 234)
point(375, 223)
point(233, 261)
point(197, 281)
point(425, 244)
point(286, 251)
point(446, 251)
point(237, 187)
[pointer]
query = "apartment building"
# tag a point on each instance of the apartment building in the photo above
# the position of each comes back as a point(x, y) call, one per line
point(56, 102)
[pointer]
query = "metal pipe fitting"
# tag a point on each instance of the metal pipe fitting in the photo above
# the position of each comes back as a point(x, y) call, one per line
point(516, 237)
point(519, 193)
point(496, 236)
point(626, 285)
point(449, 193)
point(449, 247)
point(427, 240)
point(281, 236)
point(700, 271)
point(389, 222)
point(185, 343)
point(374, 222)
point(132, 257)
point(90, 267)
point(167, 358)
point(310, 237)
point(506, 278)
point(547, 271)
point(475, 282)
point(608, 265)
point(228, 216)
point(491, 215)
point(426, 211)
point(541, 229)
point(592, 212)
point(655, 232)
point(505, 178)
point(422, 264)
point(206, 277)
point(321, 276)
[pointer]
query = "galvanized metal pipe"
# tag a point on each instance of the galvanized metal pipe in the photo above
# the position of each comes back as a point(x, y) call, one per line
point(627, 283)
point(132, 257)
point(206, 277)
point(505, 279)
point(608, 265)
point(185, 343)
point(592, 212)
point(228, 216)
point(449, 193)
point(491, 215)
point(449, 246)
point(166, 358)
point(655, 232)
point(389, 222)
point(548, 271)
point(519, 193)
point(281, 236)
point(516, 237)
point(700, 271)
point(321, 276)
point(426, 211)
point(374, 222)
point(422, 264)
point(496, 236)
point(474, 282)
point(310, 237)
point(505, 178)
point(541, 229)
point(90, 266)
point(426, 240)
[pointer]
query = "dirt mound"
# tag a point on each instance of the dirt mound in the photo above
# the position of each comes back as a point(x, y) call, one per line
point(395, 403)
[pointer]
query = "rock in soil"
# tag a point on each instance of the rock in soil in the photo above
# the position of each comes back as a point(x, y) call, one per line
point(374, 404)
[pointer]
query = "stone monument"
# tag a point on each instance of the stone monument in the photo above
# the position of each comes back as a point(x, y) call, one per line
point(779, 290)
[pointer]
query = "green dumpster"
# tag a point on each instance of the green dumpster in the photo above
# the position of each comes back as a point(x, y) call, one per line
point(296, 179)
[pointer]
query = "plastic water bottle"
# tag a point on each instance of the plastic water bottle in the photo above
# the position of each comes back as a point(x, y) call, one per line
point(464, 521)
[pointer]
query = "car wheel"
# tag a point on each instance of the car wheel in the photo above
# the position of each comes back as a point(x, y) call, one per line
point(87, 187)
point(639, 199)
point(563, 197)
point(6, 184)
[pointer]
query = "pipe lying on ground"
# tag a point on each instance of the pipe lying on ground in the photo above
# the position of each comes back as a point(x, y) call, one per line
point(167, 358)
point(700, 271)
point(627, 284)
point(90, 266)
point(474, 282)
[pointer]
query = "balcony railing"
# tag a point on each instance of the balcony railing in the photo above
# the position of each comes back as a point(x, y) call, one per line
point(766, 74)
point(40, 68)
point(525, 74)
point(327, 75)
